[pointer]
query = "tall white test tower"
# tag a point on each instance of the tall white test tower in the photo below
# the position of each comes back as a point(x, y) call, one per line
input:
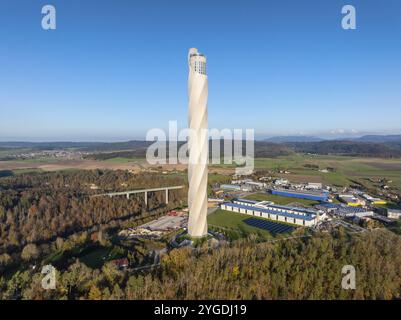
point(198, 144)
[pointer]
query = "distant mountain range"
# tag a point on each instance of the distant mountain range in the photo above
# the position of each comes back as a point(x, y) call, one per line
point(284, 139)
point(380, 138)
point(366, 138)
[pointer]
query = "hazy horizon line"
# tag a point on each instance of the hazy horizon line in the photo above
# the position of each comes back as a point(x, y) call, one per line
point(142, 139)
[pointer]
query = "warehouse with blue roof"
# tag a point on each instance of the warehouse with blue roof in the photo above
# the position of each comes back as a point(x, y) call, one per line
point(321, 195)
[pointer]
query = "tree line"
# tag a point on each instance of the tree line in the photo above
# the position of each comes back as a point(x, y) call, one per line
point(308, 268)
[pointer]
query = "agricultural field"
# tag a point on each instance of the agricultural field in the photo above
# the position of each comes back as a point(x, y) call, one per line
point(218, 178)
point(279, 199)
point(123, 160)
point(347, 170)
point(27, 170)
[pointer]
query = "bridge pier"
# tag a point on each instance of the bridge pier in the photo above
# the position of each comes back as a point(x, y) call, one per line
point(127, 196)
point(166, 196)
point(146, 198)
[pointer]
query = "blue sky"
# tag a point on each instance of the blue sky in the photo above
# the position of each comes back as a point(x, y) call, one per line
point(114, 69)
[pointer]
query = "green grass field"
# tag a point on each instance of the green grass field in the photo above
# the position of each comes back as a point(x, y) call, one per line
point(27, 170)
point(97, 256)
point(218, 178)
point(93, 256)
point(41, 160)
point(279, 199)
point(122, 160)
point(234, 221)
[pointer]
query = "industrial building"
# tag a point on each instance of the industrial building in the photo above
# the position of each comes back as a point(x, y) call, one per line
point(233, 187)
point(244, 185)
point(393, 213)
point(240, 181)
point(373, 200)
point(214, 200)
point(281, 182)
point(314, 186)
point(351, 200)
point(342, 210)
point(256, 185)
point(265, 209)
point(321, 195)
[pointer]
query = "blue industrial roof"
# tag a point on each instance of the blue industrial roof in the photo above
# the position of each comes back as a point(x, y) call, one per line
point(308, 192)
point(304, 194)
point(288, 215)
point(318, 196)
point(307, 211)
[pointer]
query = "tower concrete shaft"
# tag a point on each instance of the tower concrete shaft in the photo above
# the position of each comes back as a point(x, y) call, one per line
point(198, 144)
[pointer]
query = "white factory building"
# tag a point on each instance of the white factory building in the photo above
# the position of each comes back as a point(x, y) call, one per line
point(265, 209)
point(393, 213)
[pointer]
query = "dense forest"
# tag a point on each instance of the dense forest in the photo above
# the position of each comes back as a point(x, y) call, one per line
point(245, 269)
point(38, 208)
